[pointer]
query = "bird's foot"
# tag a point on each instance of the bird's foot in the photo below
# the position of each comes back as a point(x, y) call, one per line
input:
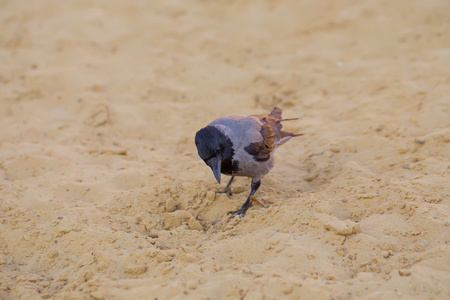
point(241, 211)
point(227, 191)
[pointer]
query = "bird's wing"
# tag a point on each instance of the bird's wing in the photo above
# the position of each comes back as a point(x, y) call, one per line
point(263, 130)
point(271, 133)
point(261, 150)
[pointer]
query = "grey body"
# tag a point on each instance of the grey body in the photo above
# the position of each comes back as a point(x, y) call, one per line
point(243, 130)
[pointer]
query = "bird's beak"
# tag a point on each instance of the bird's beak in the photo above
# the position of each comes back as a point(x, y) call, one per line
point(215, 164)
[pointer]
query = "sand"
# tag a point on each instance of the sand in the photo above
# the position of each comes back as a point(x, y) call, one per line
point(103, 195)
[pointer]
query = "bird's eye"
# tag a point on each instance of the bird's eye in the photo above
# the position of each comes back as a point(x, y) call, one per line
point(218, 149)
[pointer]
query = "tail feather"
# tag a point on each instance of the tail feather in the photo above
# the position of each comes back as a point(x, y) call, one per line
point(276, 115)
point(273, 136)
point(290, 119)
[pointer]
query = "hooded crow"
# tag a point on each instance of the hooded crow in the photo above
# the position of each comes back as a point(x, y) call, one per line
point(242, 146)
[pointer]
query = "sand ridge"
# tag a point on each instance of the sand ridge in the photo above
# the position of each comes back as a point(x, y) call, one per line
point(102, 193)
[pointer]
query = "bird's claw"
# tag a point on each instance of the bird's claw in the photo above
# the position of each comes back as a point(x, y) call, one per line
point(229, 192)
point(240, 212)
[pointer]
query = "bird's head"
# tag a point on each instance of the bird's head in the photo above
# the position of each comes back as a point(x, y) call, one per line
point(211, 144)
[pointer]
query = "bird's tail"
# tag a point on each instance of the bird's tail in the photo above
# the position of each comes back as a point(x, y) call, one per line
point(282, 136)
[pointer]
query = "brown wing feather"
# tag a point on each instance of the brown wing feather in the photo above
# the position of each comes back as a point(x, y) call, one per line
point(271, 134)
point(261, 150)
point(273, 120)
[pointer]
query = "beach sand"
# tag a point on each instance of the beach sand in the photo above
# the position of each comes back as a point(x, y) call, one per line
point(103, 195)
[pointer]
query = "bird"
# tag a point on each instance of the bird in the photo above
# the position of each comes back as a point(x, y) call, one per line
point(242, 146)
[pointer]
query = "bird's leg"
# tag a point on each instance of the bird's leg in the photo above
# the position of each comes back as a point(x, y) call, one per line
point(241, 211)
point(227, 189)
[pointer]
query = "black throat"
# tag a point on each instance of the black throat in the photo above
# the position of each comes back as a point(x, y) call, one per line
point(229, 166)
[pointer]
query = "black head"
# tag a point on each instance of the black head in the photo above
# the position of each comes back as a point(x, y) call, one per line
point(211, 146)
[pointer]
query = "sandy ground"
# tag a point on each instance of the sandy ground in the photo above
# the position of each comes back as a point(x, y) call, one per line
point(103, 195)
